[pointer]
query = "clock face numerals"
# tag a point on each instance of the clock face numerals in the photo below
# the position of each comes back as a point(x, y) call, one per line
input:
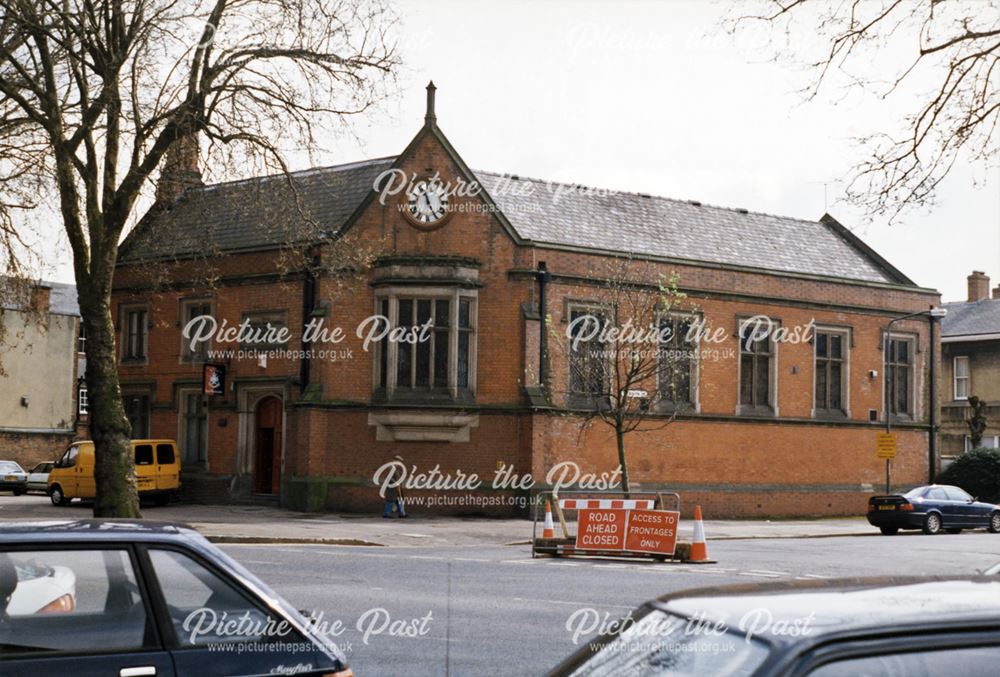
point(427, 202)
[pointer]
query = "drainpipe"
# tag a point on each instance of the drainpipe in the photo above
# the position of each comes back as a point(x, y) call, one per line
point(543, 279)
point(936, 314)
point(308, 305)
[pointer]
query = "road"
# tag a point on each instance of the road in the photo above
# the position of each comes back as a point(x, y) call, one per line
point(494, 610)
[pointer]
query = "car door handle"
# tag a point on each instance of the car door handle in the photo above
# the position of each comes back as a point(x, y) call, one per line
point(143, 671)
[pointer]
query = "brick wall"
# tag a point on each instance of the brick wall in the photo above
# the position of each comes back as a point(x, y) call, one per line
point(31, 448)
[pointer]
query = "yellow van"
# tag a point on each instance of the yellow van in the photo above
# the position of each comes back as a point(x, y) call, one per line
point(157, 471)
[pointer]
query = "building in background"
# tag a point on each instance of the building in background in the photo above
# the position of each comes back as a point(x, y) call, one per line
point(768, 427)
point(970, 345)
point(43, 402)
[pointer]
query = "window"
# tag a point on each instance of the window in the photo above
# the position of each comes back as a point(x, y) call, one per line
point(192, 592)
point(437, 356)
point(165, 454)
point(266, 326)
point(135, 335)
point(81, 339)
point(988, 442)
point(144, 454)
point(978, 661)
point(831, 372)
point(899, 376)
point(69, 459)
point(589, 368)
point(82, 402)
point(195, 429)
point(137, 413)
point(190, 310)
point(71, 600)
point(961, 369)
point(756, 360)
point(677, 362)
point(956, 494)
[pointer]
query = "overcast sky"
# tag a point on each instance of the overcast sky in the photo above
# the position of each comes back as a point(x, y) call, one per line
point(651, 97)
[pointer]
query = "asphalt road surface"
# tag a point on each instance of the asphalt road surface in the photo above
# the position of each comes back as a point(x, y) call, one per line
point(496, 611)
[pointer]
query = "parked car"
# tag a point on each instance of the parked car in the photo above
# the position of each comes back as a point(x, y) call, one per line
point(157, 472)
point(13, 478)
point(38, 477)
point(42, 589)
point(933, 508)
point(832, 628)
point(148, 598)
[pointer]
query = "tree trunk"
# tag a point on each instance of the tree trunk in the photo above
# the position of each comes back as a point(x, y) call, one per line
point(114, 465)
point(620, 437)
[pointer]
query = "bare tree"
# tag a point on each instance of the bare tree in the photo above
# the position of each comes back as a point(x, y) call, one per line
point(977, 420)
point(94, 95)
point(891, 47)
point(629, 361)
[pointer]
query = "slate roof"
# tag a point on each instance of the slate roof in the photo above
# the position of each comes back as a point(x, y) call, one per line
point(254, 213)
point(973, 318)
point(568, 214)
point(243, 215)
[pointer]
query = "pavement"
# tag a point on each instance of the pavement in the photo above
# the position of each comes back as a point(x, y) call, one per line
point(267, 524)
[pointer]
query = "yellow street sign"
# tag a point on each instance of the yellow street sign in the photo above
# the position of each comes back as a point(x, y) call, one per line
point(885, 445)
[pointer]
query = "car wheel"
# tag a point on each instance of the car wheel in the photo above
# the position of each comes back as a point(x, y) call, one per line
point(56, 496)
point(954, 531)
point(889, 531)
point(18, 492)
point(994, 523)
point(161, 501)
point(932, 524)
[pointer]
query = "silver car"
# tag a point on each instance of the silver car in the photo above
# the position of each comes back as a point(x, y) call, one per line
point(38, 477)
point(13, 478)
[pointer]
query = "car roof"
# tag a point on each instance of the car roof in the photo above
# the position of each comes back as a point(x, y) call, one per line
point(837, 605)
point(62, 531)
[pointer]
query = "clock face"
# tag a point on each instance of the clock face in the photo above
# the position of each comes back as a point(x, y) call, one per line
point(427, 202)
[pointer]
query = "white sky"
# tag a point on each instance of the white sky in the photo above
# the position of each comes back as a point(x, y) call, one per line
point(651, 97)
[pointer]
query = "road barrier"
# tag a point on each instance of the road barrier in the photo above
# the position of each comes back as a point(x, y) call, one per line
point(608, 524)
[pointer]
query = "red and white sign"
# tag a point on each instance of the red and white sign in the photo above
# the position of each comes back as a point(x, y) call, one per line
point(652, 531)
point(606, 503)
point(646, 531)
point(601, 529)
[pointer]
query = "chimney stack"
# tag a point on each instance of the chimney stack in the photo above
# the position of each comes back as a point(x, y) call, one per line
point(996, 292)
point(180, 170)
point(430, 118)
point(979, 286)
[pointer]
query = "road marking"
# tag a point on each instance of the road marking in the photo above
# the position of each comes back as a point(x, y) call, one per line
point(610, 566)
point(424, 557)
point(468, 559)
point(517, 561)
point(768, 571)
point(759, 574)
point(816, 576)
point(535, 600)
point(564, 564)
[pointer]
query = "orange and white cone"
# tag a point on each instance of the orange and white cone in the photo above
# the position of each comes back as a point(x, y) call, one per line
point(549, 530)
point(699, 550)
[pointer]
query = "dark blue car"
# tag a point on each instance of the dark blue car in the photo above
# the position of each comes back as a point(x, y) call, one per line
point(134, 598)
point(933, 508)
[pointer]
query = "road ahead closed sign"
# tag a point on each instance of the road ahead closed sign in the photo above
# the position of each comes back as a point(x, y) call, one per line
point(645, 531)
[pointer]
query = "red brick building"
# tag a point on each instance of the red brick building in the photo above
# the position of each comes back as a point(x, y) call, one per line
point(782, 429)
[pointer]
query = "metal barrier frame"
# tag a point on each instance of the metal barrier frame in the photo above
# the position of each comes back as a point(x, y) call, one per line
point(560, 547)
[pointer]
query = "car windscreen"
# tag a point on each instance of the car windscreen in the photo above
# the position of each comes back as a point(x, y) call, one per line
point(659, 643)
point(10, 466)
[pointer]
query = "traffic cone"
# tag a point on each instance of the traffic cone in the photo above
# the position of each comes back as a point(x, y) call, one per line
point(699, 550)
point(549, 531)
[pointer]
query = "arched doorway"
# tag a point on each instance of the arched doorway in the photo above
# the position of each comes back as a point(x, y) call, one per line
point(267, 460)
